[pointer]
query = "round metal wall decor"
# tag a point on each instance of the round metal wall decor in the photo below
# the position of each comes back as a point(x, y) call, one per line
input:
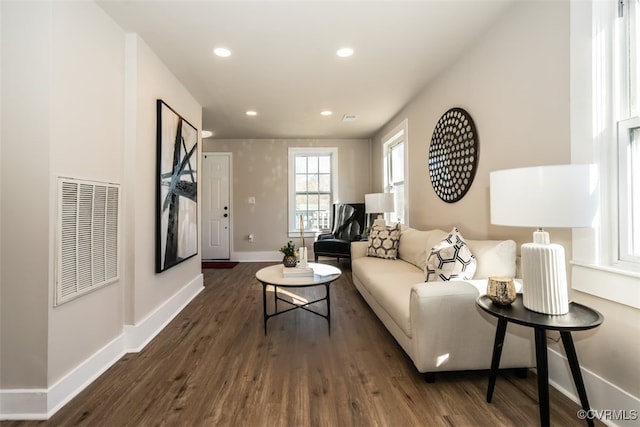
point(453, 155)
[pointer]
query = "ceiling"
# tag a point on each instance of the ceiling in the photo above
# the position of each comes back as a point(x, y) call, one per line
point(284, 64)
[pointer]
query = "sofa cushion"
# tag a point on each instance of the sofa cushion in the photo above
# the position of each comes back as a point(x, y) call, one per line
point(450, 259)
point(414, 245)
point(389, 282)
point(383, 241)
point(494, 257)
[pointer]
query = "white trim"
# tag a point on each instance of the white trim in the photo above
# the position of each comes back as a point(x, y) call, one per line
point(602, 394)
point(41, 404)
point(399, 131)
point(138, 336)
point(616, 285)
point(594, 107)
point(291, 153)
point(231, 206)
point(625, 197)
point(264, 256)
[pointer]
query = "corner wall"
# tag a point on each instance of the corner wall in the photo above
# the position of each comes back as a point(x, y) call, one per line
point(260, 169)
point(515, 83)
point(77, 101)
point(151, 81)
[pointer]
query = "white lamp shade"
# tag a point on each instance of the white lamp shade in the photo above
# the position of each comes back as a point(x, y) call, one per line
point(378, 202)
point(562, 196)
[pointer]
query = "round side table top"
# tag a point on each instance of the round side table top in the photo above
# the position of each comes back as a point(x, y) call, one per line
point(322, 273)
point(579, 317)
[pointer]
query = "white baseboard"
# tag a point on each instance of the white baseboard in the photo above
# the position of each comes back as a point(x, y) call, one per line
point(610, 404)
point(41, 404)
point(139, 335)
point(264, 256)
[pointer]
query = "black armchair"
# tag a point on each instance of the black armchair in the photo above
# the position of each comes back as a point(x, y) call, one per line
point(347, 225)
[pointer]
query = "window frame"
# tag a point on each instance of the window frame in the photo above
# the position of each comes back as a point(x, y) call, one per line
point(293, 152)
point(628, 120)
point(398, 135)
point(626, 224)
point(598, 83)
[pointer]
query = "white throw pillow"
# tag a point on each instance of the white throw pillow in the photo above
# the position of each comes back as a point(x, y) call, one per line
point(494, 258)
point(450, 259)
point(383, 241)
point(415, 244)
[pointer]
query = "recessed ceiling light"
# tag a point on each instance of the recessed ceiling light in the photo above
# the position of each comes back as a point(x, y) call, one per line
point(251, 113)
point(344, 52)
point(207, 134)
point(326, 113)
point(222, 52)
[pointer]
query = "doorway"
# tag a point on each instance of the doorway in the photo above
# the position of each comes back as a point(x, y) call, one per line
point(216, 206)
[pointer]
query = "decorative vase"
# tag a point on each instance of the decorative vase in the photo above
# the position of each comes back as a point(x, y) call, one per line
point(290, 261)
point(501, 290)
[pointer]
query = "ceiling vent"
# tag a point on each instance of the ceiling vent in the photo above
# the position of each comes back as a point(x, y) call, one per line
point(349, 118)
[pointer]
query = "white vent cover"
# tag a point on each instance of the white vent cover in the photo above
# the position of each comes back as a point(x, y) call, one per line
point(87, 247)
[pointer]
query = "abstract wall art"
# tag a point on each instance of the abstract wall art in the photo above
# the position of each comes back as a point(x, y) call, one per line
point(176, 193)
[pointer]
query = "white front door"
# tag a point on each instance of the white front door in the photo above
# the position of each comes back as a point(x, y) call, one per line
point(216, 210)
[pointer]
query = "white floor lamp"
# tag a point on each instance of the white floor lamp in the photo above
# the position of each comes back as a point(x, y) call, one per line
point(561, 196)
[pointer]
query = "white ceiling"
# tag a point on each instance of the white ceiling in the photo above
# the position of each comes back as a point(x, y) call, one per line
point(284, 64)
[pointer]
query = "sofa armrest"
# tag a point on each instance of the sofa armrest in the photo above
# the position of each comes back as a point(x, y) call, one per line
point(448, 331)
point(359, 249)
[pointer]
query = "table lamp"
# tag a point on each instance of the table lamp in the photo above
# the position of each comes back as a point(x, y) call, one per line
point(378, 204)
point(560, 196)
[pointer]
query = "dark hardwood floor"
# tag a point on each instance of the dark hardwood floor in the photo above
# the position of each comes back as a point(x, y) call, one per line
point(213, 366)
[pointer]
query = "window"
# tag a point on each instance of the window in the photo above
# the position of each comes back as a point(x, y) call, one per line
point(394, 159)
point(312, 183)
point(629, 134)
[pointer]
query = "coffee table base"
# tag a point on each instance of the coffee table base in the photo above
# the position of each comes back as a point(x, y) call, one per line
point(305, 306)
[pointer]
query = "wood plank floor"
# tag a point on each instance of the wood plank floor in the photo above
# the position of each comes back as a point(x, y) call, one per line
point(213, 366)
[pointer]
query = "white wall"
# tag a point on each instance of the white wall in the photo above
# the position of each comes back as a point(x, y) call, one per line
point(612, 291)
point(86, 142)
point(260, 170)
point(26, 116)
point(515, 83)
point(78, 100)
point(152, 81)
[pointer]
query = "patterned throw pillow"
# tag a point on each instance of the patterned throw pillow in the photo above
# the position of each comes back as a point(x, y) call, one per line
point(450, 259)
point(383, 241)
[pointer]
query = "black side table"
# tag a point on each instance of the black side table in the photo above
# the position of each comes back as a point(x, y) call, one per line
point(579, 318)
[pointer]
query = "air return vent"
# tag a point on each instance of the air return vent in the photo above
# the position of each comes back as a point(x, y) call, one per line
point(87, 247)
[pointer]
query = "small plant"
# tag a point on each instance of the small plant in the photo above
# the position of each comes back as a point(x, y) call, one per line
point(289, 249)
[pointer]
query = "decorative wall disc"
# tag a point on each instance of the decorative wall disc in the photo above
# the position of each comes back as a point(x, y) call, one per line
point(453, 155)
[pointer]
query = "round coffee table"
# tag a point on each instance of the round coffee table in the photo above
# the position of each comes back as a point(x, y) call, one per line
point(274, 276)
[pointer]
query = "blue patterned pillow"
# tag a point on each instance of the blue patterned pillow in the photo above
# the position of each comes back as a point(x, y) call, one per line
point(450, 259)
point(383, 241)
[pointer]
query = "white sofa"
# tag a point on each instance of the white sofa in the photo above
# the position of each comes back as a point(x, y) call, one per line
point(437, 323)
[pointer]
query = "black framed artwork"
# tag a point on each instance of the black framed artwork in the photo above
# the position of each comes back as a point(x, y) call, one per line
point(176, 191)
point(453, 155)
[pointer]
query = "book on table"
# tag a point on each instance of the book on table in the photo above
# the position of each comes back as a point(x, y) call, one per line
point(297, 271)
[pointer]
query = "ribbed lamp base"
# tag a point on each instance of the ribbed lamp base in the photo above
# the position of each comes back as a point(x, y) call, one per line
point(544, 284)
